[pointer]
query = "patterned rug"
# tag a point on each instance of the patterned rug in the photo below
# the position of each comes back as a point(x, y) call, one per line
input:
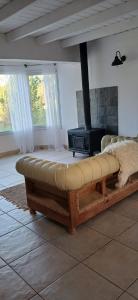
point(17, 195)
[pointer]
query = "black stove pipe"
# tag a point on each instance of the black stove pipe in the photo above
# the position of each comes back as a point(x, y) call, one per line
point(85, 84)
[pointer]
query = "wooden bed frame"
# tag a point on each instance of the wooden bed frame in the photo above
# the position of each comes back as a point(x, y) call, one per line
point(72, 208)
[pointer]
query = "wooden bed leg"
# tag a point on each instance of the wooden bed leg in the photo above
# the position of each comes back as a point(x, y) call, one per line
point(73, 211)
point(29, 187)
point(101, 187)
point(71, 229)
point(104, 190)
point(32, 211)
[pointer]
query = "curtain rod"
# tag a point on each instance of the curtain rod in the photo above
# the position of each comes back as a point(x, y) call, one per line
point(25, 65)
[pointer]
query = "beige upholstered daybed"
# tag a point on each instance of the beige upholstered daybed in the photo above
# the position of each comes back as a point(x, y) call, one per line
point(71, 194)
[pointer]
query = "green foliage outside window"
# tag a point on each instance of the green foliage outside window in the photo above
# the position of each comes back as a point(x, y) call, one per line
point(5, 123)
point(38, 103)
point(37, 91)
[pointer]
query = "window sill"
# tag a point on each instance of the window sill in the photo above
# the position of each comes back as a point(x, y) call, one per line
point(39, 128)
point(35, 128)
point(10, 132)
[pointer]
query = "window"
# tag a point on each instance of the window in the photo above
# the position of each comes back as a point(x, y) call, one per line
point(41, 89)
point(5, 123)
point(38, 103)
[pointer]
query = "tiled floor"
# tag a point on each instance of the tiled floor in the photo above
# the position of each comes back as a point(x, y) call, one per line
point(40, 260)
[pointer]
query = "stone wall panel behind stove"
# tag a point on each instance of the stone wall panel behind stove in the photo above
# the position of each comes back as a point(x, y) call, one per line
point(104, 108)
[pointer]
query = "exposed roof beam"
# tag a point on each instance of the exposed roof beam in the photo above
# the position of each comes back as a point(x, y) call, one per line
point(89, 23)
point(48, 20)
point(105, 31)
point(12, 8)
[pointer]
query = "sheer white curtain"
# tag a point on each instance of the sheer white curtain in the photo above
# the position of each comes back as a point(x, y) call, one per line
point(20, 111)
point(53, 117)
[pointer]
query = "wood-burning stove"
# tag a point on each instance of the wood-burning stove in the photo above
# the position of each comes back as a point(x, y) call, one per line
point(85, 140)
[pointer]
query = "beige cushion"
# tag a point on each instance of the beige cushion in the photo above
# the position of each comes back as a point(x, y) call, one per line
point(109, 139)
point(68, 177)
point(106, 140)
point(127, 154)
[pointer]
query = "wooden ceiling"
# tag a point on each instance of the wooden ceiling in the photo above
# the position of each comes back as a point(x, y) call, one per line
point(68, 21)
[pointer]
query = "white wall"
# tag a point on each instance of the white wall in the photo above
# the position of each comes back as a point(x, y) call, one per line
point(69, 82)
point(7, 141)
point(101, 54)
point(28, 50)
point(102, 74)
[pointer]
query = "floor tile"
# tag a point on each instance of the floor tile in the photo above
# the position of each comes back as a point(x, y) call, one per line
point(6, 205)
point(133, 289)
point(8, 185)
point(2, 187)
point(116, 262)
point(1, 212)
point(42, 266)
point(130, 237)
point(125, 296)
point(79, 284)
point(2, 263)
point(10, 179)
point(13, 171)
point(18, 242)
point(37, 297)
point(128, 207)
point(110, 223)
point(81, 244)
point(12, 287)
point(4, 174)
point(47, 229)
point(8, 224)
point(24, 216)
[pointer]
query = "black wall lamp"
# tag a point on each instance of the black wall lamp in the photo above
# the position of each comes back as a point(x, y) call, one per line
point(118, 60)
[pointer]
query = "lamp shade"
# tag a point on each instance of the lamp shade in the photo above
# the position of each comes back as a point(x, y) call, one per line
point(118, 60)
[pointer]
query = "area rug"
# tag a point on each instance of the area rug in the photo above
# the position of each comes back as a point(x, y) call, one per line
point(17, 195)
